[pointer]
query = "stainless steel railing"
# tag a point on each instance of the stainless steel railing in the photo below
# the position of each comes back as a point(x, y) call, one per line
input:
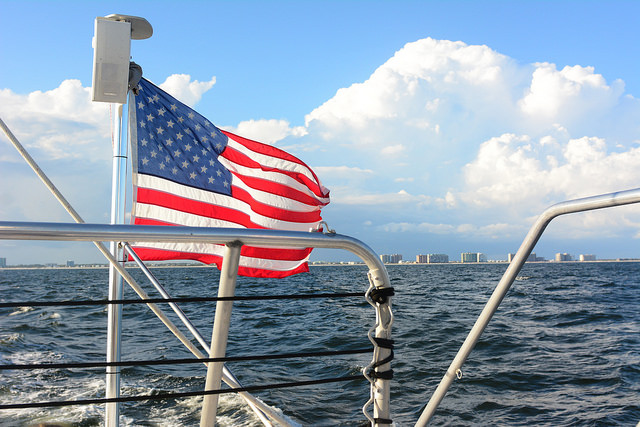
point(233, 239)
point(571, 206)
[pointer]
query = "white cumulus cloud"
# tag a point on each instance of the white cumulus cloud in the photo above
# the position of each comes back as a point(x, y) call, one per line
point(267, 131)
point(484, 138)
point(184, 89)
point(58, 123)
point(571, 92)
point(513, 170)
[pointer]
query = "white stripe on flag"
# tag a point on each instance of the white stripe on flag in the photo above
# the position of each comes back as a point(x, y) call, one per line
point(144, 210)
point(212, 249)
point(272, 162)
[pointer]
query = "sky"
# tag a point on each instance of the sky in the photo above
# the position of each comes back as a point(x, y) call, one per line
point(438, 126)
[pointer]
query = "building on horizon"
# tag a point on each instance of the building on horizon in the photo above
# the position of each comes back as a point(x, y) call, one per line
point(473, 257)
point(563, 257)
point(587, 257)
point(432, 259)
point(71, 264)
point(3, 262)
point(531, 258)
point(437, 258)
point(391, 259)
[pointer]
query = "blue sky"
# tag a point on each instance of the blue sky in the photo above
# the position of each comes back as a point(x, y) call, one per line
point(440, 127)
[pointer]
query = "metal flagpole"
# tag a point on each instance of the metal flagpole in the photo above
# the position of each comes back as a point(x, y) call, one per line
point(112, 50)
point(114, 311)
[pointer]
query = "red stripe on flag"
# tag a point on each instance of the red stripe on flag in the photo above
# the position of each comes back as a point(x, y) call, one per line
point(160, 255)
point(280, 254)
point(259, 272)
point(274, 212)
point(186, 205)
point(242, 159)
point(267, 150)
point(277, 189)
point(196, 207)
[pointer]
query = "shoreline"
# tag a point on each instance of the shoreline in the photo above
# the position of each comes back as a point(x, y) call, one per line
point(314, 264)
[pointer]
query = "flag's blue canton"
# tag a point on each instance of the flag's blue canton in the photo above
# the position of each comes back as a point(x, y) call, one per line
point(177, 143)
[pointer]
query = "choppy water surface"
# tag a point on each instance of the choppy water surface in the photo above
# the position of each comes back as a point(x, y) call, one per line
point(563, 349)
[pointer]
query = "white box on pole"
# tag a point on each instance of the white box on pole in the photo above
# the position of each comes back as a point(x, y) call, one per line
point(111, 54)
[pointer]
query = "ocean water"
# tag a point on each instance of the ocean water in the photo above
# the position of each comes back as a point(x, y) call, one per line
point(563, 349)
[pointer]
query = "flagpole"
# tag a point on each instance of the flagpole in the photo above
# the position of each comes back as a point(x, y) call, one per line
point(110, 83)
point(116, 288)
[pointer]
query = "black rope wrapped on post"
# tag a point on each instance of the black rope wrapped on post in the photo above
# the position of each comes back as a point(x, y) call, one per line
point(380, 295)
point(385, 375)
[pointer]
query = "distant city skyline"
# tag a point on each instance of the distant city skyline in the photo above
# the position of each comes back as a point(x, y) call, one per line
point(424, 258)
point(385, 258)
point(477, 257)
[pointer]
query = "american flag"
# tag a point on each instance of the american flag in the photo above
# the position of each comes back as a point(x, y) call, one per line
point(188, 172)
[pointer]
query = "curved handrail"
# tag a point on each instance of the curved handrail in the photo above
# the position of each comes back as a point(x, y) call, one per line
point(571, 206)
point(15, 230)
point(378, 276)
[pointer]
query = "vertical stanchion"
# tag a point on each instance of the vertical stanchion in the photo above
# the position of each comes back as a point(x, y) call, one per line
point(114, 313)
point(381, 390)
point(228, 277)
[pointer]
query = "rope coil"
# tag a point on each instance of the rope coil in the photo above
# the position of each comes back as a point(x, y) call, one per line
point(384, 375)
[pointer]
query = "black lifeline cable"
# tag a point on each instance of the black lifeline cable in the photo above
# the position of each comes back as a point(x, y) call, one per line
point(161, 396)
point(161, 300)
point(180, 361)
